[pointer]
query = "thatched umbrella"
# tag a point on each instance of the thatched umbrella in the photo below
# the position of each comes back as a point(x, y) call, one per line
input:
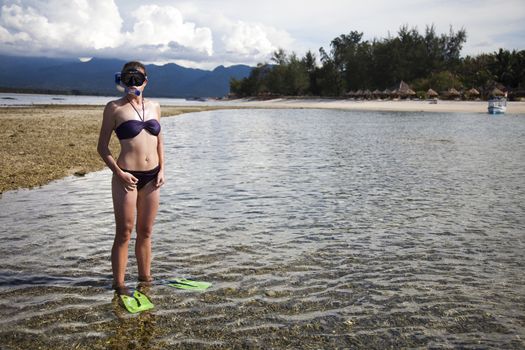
point(367, 93)
point(359, 93)
point(497, 92)
point(394, 93)
point(386, 93)
point(453, 93)
point(473, 92)
point(402, 88)
point(432, 93)
point(377, 93)
point(405, 90)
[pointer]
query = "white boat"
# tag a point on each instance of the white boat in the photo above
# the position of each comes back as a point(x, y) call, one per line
point(497, 105)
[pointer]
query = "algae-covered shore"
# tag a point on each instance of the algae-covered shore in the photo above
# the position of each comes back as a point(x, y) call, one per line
point(43, 143)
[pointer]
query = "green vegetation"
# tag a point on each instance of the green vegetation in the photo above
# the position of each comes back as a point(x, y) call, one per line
point(425, 61)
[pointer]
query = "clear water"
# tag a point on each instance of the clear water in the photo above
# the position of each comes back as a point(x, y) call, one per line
point(318, 229)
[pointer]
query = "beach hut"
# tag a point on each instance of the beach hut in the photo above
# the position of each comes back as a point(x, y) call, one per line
point(497, 92)
point(394, 94)
point(453, 93)
point(404, 90)
point(432, 94)
point(472, 93)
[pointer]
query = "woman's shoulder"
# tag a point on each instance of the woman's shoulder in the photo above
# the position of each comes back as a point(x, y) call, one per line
point(115, 103)
point(112, 108)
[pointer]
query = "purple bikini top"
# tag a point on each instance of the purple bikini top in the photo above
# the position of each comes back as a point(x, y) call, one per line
point(131, 128)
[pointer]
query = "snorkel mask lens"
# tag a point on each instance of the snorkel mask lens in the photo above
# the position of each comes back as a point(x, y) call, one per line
point(132, 78)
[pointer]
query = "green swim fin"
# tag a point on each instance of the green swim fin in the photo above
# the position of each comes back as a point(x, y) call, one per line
point(130, 303)
point(184, 283)
point(143, 301)
point(136, 303)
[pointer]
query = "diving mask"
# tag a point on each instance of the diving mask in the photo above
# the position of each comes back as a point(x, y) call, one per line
point(126, 80)
point(130, 77)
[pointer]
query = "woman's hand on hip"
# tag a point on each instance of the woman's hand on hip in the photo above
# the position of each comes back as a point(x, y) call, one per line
point(128, 180)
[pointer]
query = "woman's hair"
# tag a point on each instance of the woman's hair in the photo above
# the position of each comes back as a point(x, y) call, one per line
point(134, 65)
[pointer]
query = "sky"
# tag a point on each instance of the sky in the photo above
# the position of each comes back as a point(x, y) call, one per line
point(205, 34)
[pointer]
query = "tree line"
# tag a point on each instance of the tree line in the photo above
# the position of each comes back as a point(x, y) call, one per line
point(424, 60)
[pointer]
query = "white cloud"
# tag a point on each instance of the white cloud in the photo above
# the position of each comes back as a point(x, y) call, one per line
point(253, 40)
point(10, 38)
point(61, 25)
point(94, 28)
point(163, 26)
point(237, 41)
point(157, 32)
point(248, 40)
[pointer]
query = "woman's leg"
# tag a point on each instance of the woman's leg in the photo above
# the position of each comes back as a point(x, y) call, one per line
point(147, 207)
point(124, 204)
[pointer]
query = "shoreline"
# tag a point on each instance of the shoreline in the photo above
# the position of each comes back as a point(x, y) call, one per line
point(443, 106)
point(42, 143)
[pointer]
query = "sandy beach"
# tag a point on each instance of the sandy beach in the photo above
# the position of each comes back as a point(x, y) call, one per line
point(48, 142)
point(386, 105)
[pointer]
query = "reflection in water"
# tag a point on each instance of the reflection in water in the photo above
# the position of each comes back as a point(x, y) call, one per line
point(322, 229)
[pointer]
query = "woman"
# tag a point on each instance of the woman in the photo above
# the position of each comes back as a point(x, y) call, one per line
point(138, 172)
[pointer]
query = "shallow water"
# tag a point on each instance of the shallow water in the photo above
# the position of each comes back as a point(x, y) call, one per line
point(318, 229)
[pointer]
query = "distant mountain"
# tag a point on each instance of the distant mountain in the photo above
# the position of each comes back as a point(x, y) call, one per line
point(97, 77)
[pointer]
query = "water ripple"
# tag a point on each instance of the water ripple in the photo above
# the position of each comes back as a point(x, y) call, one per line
point(319, 229)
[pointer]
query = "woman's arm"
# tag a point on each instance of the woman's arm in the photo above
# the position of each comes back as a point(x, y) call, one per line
point(108, 124)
